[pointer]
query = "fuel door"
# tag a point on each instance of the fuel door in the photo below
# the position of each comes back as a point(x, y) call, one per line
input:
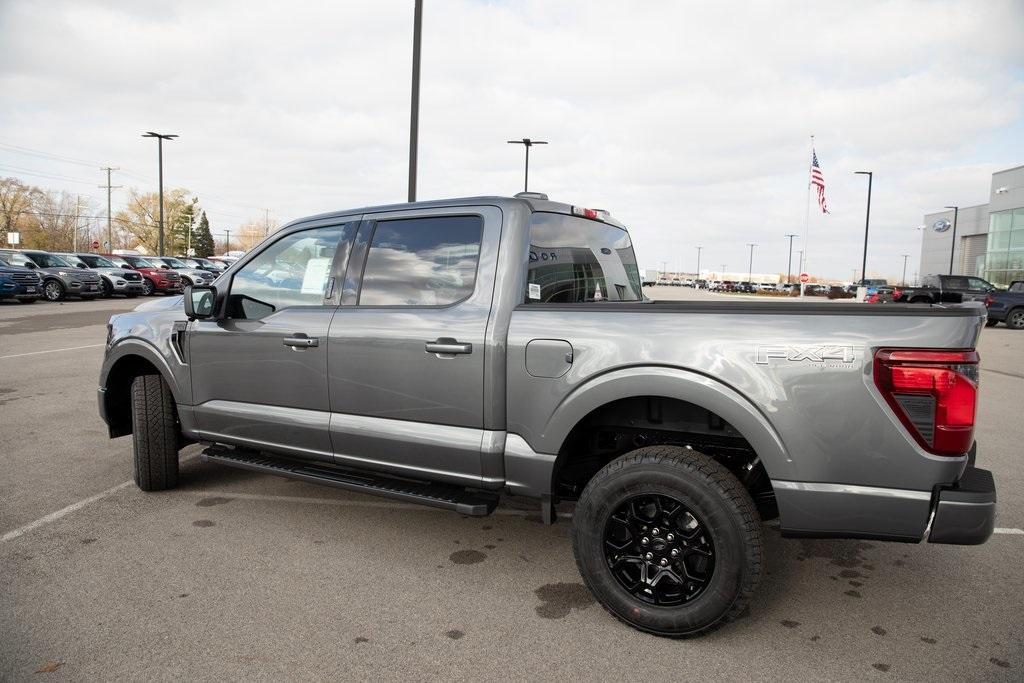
point(548, 357)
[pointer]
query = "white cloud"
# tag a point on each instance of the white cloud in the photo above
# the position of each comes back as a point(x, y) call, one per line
point(689, 122)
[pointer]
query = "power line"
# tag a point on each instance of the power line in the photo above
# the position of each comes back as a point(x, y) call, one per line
point(46, 155)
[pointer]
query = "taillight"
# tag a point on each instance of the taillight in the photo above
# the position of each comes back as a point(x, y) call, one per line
point(989, 300)
point(934, 393)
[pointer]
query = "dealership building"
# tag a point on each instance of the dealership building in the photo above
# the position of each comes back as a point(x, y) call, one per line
point(989, 240)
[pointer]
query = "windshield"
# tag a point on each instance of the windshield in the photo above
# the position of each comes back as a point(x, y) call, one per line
point(49, 261)
point(172, 262)
point(139, 262)
point(574, 260)
point(95, 261)
point(73, 260)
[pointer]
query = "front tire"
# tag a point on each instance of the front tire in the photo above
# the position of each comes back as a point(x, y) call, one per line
point(53, 290)
point(991, 322)
point(150, 287)
point(108, 289)
point(154, 434)
point(700, 579)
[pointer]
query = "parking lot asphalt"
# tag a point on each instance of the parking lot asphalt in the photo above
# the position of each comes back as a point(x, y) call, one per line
point(239, 575)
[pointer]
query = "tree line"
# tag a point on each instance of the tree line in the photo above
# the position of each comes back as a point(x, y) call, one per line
point(50, 220)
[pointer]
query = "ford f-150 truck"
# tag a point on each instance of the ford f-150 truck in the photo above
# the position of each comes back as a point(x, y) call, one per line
point(447, 352)
point(936, 289)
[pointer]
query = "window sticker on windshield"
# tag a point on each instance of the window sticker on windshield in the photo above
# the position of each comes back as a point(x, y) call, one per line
point(534, 290)
point(316, 275)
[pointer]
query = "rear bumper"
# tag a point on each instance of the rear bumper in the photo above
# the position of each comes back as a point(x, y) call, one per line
point(965, 513)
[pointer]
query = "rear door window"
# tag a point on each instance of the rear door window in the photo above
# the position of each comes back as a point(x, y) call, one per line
point(429, 261)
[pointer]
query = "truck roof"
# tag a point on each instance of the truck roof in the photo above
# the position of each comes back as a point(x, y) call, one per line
point(535, 201)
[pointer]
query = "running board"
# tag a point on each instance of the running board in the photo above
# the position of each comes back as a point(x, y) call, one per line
point(447, 496)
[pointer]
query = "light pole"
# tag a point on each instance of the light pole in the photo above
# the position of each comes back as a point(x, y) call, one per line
point(414, 115)
point(952, 249)
point(527, 143)
point(800, 261)
point(110, 230)
point(160, 137)
point(867, 221)
point(698, 261)
point(750, 269)
point(903, 280)
point(789, 263)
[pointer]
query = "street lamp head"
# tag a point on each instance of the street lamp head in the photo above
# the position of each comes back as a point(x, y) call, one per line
point(528, 142)
point(863, 172)
point(162, 136)
point(951, 207)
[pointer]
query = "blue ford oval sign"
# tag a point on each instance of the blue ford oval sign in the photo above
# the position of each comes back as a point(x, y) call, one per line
point(941, 225)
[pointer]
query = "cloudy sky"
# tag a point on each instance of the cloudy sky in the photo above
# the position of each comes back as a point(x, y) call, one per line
point(690, 123)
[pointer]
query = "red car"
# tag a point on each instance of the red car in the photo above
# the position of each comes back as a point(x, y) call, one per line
point(156, 276)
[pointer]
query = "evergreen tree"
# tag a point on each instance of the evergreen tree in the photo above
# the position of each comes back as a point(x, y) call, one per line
point(202, 238)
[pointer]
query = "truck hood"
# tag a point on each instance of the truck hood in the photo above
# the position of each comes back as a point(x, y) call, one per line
point(162, 304)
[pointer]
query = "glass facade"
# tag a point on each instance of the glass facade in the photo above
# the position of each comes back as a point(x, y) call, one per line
point(1004, 260)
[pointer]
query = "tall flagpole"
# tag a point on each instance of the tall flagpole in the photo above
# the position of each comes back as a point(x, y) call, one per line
point(807, 215)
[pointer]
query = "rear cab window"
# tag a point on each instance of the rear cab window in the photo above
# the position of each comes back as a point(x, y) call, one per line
point(576, 260)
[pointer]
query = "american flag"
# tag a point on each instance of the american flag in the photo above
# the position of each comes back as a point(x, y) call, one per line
point(818, 181)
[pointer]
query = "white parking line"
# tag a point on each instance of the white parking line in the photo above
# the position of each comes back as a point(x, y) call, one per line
point(54, 516)
point(1010, 531)
point(33, 353)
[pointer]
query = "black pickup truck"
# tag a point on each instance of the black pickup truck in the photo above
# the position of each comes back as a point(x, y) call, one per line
point(945, 289)
point(1007, 307)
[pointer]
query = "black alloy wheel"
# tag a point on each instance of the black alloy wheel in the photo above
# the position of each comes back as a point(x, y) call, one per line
point(658, 550)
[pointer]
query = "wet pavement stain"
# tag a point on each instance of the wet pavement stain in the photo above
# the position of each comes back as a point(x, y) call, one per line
point(486, 527)
point(850, 574)
point(839, 553)
point(87, 541)
point(213, 500)
point(360, 639)
point(561, 598)
point(930, 641)
point(490, 546)
point(856, 584)
point(881, 667)
point(789, 623)
point(852, 594)
point(878, 631)
point(999, 662)
point(815, 639)
point(467, 557)
point(203, 523)
point(898, 563)
point(454, 634)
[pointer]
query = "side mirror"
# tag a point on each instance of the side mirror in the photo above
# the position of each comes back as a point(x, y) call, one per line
point(165, 267)
point(199, 302)
point(30, 264)
point(126, 266)
point(82, 266)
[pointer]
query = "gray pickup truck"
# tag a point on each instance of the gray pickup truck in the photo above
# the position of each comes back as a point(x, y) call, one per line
point(448, 352)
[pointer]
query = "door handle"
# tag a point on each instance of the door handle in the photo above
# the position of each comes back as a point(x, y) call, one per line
point(301, 341)
point(447, 345)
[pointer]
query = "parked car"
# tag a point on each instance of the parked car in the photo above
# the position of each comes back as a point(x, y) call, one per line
point(189, 276)
point(203, 264)
point(60, 279)
point(1007, 307)
point(19, 283)
point(947, 289)
point(114, 279)
point(470, 355)
point(156, 277)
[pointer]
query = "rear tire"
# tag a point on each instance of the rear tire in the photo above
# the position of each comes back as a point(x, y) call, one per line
point(724, 523)
point(154, 433)
point(1015, 319)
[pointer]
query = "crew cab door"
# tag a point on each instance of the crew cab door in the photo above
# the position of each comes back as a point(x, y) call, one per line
point(259, 373)
point(407, 347)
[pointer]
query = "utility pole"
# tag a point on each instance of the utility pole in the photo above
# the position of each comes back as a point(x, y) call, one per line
point(952, 249)
point(698, 261)
point(160, 137)
point(74, 230)
point(110, 230)
point(854, 276)
point(789, 263)
point(867, 221)
point(800, 262)
point(266, 223)
point(527, 143)
point(750, 270)
point(227, 242)
point(414, 115)
point(903, 280)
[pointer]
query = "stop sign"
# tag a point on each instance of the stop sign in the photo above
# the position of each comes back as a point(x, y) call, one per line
point(95, 244)
point(804, 277)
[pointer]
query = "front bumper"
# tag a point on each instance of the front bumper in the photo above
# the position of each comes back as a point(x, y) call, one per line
point(20, 291)
point(82, 289)
point(167, 285)
point(965, 513)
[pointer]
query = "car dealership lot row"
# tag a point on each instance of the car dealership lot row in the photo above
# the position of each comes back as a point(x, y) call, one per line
point(237, 574)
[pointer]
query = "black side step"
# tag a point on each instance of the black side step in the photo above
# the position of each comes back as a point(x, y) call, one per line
point(448, 496)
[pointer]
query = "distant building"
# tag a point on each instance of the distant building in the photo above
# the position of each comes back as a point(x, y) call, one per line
point(989, 237)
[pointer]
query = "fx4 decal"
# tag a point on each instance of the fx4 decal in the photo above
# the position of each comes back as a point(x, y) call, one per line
point(807, 353)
